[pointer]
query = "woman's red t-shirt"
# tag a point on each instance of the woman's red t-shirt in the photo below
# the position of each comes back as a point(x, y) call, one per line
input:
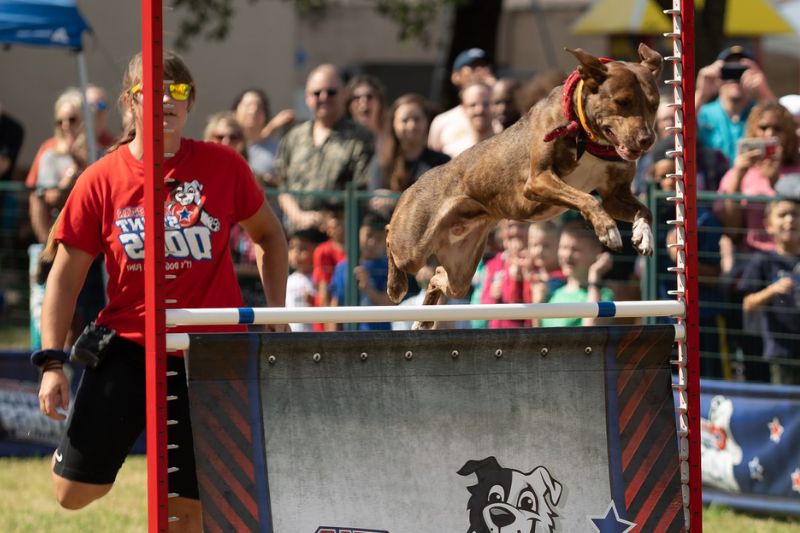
point(212, 189)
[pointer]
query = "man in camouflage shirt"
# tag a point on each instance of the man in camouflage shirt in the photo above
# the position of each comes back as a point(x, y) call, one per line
point(323, 154)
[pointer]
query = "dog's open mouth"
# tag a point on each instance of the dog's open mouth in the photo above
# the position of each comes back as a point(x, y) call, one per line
point(628, 154)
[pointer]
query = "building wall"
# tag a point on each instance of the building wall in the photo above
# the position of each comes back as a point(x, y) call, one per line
point(258, 52)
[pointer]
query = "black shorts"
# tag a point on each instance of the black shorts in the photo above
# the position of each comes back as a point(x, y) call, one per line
point(109, 414)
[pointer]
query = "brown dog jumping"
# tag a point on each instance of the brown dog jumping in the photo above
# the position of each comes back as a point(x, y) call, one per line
point(534, 170)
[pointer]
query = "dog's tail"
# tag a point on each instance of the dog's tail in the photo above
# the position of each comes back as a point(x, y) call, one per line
point(397, 281)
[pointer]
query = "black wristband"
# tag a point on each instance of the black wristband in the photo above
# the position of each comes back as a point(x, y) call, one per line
point(40, 357)
point(597, 286)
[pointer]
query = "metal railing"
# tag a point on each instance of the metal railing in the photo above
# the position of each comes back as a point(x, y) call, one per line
point(726, 340)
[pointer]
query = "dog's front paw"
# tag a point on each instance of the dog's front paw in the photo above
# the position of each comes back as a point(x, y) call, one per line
point(642, 237)
point(612, 239)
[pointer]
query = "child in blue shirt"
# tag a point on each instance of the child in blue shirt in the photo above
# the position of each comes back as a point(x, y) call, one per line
point(371, 272)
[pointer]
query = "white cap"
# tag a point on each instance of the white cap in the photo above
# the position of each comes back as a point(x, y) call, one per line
point(792, 103)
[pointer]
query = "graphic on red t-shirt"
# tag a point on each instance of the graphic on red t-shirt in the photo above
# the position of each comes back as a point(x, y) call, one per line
point(211, 188)
point(186, 207)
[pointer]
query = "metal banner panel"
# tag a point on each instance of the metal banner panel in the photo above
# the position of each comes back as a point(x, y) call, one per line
point(534, 430)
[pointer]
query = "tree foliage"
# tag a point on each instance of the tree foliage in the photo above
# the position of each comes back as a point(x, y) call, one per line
point(211, 19)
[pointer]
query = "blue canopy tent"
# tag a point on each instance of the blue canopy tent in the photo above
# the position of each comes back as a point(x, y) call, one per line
point(49, 23)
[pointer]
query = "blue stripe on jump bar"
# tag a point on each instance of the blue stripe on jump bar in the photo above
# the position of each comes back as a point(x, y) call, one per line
point(246, 315)
point(606, 309)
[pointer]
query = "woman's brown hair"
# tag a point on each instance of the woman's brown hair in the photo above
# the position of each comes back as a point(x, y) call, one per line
point(391, 158)
point(787, 135)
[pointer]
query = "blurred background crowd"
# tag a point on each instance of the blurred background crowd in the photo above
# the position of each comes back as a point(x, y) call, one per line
point(336, 155)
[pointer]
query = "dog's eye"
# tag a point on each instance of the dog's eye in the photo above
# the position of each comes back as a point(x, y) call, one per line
point(526, 502)
point(622, 102)
point(496, 494)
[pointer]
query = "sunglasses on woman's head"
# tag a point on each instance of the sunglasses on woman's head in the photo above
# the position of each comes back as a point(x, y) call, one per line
point(71, 120)
point(366, 96)
point(177, 91)
point(232, 137)
point(328, 92)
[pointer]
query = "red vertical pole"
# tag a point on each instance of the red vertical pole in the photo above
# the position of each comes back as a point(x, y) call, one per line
point(691, 294)
point(155, 344)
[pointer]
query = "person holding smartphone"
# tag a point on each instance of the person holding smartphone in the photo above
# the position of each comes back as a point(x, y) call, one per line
point(725, 92)
point(768, 152)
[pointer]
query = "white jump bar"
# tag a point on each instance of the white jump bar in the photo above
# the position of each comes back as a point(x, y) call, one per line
point(389, 313)
point(269, 315)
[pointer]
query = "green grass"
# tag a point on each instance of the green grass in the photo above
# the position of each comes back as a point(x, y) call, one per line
point(26, 504)
point(14, 337)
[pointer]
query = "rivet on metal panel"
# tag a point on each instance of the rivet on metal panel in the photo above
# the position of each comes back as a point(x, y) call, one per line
point(317, 357)
point(588, 350)
point(498, 353)
point(271, 359)
point(454, 354)
point(409, 355)
point(363, 356)
point(544, 351)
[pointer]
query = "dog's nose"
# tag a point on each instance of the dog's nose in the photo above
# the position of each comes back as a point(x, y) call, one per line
point(646, 140)
point(501, 517)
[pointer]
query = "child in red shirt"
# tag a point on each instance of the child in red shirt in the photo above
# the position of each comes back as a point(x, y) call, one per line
point(326, 256)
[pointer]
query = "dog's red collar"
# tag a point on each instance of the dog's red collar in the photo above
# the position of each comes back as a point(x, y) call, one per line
point(573, 127)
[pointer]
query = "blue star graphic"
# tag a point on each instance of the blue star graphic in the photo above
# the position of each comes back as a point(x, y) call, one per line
point(611, 522)
point(184, 214)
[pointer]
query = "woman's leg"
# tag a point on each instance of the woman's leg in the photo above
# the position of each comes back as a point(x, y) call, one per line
point(106, 418)
point(75, 495)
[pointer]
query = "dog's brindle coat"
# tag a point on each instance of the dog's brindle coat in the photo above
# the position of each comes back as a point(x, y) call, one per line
point(450, 210)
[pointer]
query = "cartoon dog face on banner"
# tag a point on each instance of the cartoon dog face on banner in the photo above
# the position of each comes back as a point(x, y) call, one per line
point(720, 452)
point(510, 501)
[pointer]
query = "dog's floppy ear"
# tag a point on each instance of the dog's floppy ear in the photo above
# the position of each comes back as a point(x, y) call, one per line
point(651, 59)
point(541, 476)
point(472, 466)
point(593, 71)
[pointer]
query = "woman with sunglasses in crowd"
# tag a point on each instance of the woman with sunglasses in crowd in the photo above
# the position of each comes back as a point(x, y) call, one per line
point(59, 161)
point(366, 104)
point(208, 188)
point(261, 131)
point(57, 166)
point(223, 128)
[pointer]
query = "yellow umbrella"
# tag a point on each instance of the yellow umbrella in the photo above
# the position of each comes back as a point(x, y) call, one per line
point(615, 17)
point(752, 18)
point(743, 18)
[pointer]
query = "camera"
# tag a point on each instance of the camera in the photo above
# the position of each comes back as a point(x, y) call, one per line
point(732, 71)
point(92, 345)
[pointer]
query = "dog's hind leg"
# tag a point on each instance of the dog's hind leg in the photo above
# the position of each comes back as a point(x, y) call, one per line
point(397, 281)
point(438, 286)
point(459, 258)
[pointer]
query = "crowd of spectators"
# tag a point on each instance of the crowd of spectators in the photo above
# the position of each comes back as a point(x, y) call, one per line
point(747, 147)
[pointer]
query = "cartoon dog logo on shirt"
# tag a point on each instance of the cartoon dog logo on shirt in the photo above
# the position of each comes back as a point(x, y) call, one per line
point(186, 206)
point(510, 501)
